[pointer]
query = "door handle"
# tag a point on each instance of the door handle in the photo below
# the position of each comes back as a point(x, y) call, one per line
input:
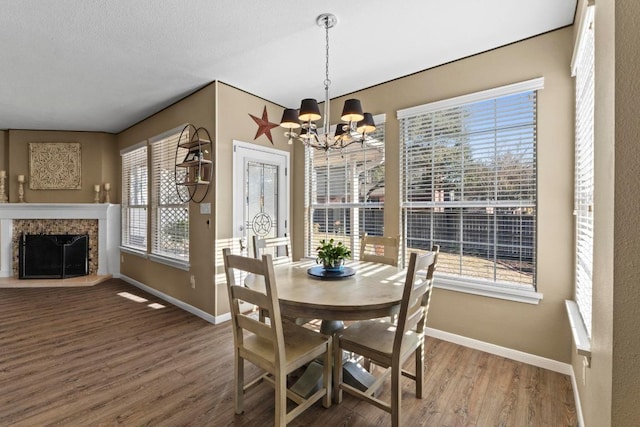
point(242, 245)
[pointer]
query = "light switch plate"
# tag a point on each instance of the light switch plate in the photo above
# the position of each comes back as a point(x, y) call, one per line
point(205, 208)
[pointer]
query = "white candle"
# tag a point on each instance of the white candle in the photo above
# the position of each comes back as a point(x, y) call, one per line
point(96, 188)
point(20, 178)
point(3, 174)
point(107, 186)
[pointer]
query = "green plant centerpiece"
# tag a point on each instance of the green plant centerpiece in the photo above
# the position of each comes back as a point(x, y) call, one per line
point(332, 254)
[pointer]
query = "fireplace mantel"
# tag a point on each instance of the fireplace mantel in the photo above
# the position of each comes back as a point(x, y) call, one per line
point(108, 216)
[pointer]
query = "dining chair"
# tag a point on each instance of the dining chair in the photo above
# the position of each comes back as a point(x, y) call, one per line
point(384, 250)
point(278, 347)
point(379, 249)
point(280, 250)
point(390, 345)
point(278, 247)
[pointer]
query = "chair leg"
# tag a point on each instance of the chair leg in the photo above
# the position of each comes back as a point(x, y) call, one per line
point(419, 370)
point(281, 398)
point(327, 373)
point(366, 364)
point(337, 370)
point(396, 393)
point(238, 367)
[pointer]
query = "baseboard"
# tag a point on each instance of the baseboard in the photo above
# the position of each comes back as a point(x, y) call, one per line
point(519, 356)
point(576, 398)
point(183, 305)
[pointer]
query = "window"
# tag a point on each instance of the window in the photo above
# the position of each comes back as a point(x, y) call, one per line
point(134, 197)
point(468, 177)
point(583, 70)
point(345, 192)
point(169, 213)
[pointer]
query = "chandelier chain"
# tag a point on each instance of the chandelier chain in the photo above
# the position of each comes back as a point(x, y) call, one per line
point(327, 82)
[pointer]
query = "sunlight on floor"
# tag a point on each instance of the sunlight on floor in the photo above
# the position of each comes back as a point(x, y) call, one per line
point(132, 297)
point(156, 305)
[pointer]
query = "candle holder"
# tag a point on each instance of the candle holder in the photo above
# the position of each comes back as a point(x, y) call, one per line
point(21, 189)
point(96, 194)
point(3, 197)
point(107, 191)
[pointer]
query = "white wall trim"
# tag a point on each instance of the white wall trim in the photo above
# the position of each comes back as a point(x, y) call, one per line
point(488, 289)
point(576, 398)
point(512, 89)
point(180, 304)
point(519, 356)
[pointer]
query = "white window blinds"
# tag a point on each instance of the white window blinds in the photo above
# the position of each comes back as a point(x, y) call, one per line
point(345, 193)
point(134, 197)
point(170, 216)
point(468, 170)
point(583, 181)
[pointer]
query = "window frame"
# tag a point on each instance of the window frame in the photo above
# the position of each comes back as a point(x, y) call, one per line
point(156, 205)
point(473, 285)
point(125, 207)
point(351, 239)
point(579, 310)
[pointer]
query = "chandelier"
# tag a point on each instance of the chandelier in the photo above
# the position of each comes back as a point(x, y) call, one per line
point(355, 127)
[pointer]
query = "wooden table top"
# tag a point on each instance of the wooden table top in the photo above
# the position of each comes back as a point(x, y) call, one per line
point(370, 293)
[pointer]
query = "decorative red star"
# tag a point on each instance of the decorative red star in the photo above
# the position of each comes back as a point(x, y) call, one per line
point(264, 125)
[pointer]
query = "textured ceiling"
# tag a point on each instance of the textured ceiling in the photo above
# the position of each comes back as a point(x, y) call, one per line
point(104, 65)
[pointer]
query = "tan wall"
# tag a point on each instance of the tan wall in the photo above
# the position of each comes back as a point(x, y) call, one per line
point(537, 329)
point(98, 154)
point(234, 123)
point(198, 109)
point(626, 318)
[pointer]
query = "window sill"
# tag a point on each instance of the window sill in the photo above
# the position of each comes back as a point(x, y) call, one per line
point(171, 262)
point(131, 251)
point(578, 331)
point(525, 294)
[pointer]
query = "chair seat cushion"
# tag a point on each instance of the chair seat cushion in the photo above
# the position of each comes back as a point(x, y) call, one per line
point(374, 339)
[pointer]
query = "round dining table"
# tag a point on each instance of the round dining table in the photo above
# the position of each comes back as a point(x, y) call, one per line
point(371, 291)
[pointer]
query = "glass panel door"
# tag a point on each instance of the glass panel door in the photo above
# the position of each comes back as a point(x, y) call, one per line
point(260, 193)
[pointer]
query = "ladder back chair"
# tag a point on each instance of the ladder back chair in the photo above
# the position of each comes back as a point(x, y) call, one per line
point(379, 249)
point(278, 347)
point(384, 250)
point(280, 250)
point(388, 345)
point(278, 247)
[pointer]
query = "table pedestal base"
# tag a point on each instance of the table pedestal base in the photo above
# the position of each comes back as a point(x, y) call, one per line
point(352, 373)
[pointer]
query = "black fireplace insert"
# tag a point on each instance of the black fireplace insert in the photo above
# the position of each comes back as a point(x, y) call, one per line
point(53, 256)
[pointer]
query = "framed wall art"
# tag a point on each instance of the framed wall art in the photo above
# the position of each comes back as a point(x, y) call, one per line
point(55, 166)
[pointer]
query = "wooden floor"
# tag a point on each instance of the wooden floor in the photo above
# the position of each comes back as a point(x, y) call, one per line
point(88, 356)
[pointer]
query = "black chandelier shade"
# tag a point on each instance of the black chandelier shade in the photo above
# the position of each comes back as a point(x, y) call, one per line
point(290, 118)
point(352, 111)
point(309, 110)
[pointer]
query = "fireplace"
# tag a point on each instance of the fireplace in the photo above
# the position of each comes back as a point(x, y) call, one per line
point(100, 221)
point(53, 256)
